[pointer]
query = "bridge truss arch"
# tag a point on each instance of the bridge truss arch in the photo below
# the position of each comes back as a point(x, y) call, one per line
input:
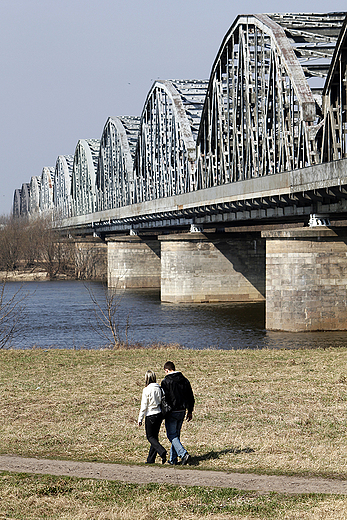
point(166, 148)
point(262, 112)
point(114, 178)
point(34, 202)
point(85, 164)
point(46, 191)
point(16, 203)
point(25, 199)
point(62, 186)
point(335, 103)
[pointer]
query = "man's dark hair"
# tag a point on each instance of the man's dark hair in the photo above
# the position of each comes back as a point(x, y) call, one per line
point(169, 365)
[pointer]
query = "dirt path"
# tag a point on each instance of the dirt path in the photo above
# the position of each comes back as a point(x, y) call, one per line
point(173, 475)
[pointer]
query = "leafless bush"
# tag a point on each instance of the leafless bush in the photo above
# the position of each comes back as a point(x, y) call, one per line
point(11, 310)
point(33, 240)
point(90, 261)
point(106, 320)
point(57, 254)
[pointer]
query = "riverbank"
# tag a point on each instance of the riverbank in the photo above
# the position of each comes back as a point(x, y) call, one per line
point(23, 276)
point(31, 275)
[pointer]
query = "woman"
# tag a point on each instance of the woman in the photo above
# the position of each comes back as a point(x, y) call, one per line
point(150, 409)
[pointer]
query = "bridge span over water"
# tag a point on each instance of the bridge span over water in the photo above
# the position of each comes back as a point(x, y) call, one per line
point(227, 189)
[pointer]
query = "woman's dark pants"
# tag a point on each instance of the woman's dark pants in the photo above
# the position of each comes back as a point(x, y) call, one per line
point(152, 425)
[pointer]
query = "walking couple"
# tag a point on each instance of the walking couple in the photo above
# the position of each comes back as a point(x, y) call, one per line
point(179, 395)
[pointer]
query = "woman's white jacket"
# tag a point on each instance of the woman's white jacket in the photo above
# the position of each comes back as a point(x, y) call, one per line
point(150, 402)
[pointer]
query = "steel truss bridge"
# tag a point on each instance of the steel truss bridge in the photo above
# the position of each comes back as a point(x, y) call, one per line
point(264, 139)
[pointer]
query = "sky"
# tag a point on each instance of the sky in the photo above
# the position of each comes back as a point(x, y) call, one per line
point(67, 65)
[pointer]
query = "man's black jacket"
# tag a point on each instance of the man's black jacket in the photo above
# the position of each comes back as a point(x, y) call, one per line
point(178, 392)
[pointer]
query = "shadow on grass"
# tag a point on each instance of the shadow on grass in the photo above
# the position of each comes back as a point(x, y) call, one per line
point(212, 455)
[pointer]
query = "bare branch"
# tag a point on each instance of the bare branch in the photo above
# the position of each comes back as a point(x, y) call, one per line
point(106, 317)
point(11, 311)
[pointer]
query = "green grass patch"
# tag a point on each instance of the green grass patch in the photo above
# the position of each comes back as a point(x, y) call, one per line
point(25, 497)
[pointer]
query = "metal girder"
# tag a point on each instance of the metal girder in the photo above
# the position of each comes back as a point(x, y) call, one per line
point(166, 148)
point(305, 101)
point(114, 178)
point(83, 176)
point(334, 140)
point(46, 190)
point(25, 199)
point(314, 52)
point(62, 186)
point(340, 192)
point(16, 203)
point(34, 202)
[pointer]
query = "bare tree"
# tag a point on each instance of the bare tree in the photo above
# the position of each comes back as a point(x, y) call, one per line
point(46, 248)
point(11, 243)
point(11, 311)
point(51, 252)
point(106, 320)
point(90, 259)
point(33, 243)
point(33, 240)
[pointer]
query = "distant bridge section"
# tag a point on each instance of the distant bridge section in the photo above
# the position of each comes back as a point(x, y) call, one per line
point(263, 138)
point(62, 185)
point(115, 173)
point(165, 162)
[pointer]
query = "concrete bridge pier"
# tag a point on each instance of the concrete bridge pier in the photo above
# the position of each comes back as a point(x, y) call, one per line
point(133, 262)
point(209, 267)
point(306, 279)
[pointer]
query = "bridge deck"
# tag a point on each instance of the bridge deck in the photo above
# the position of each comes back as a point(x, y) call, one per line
point(285, 195)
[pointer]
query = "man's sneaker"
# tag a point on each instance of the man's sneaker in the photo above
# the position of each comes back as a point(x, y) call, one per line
point(185, 459)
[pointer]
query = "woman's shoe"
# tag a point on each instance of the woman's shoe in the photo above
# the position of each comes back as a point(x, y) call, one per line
point(163, 459)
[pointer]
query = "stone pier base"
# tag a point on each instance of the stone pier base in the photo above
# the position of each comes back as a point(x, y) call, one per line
point(133, 262)
point(306, 279)
point(198, 267)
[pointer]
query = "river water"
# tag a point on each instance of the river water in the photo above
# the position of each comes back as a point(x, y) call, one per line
point(61, 315)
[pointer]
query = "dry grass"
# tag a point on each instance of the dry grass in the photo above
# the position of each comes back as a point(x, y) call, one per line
point(264, 411)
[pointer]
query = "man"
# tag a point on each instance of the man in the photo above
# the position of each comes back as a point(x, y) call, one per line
point(179, 395)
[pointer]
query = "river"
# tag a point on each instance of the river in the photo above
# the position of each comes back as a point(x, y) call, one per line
point(60, 314)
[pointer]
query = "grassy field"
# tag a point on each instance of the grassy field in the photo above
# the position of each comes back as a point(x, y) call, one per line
point(275, 412)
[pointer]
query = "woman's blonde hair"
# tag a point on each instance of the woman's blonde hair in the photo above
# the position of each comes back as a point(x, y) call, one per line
point(150, 377)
